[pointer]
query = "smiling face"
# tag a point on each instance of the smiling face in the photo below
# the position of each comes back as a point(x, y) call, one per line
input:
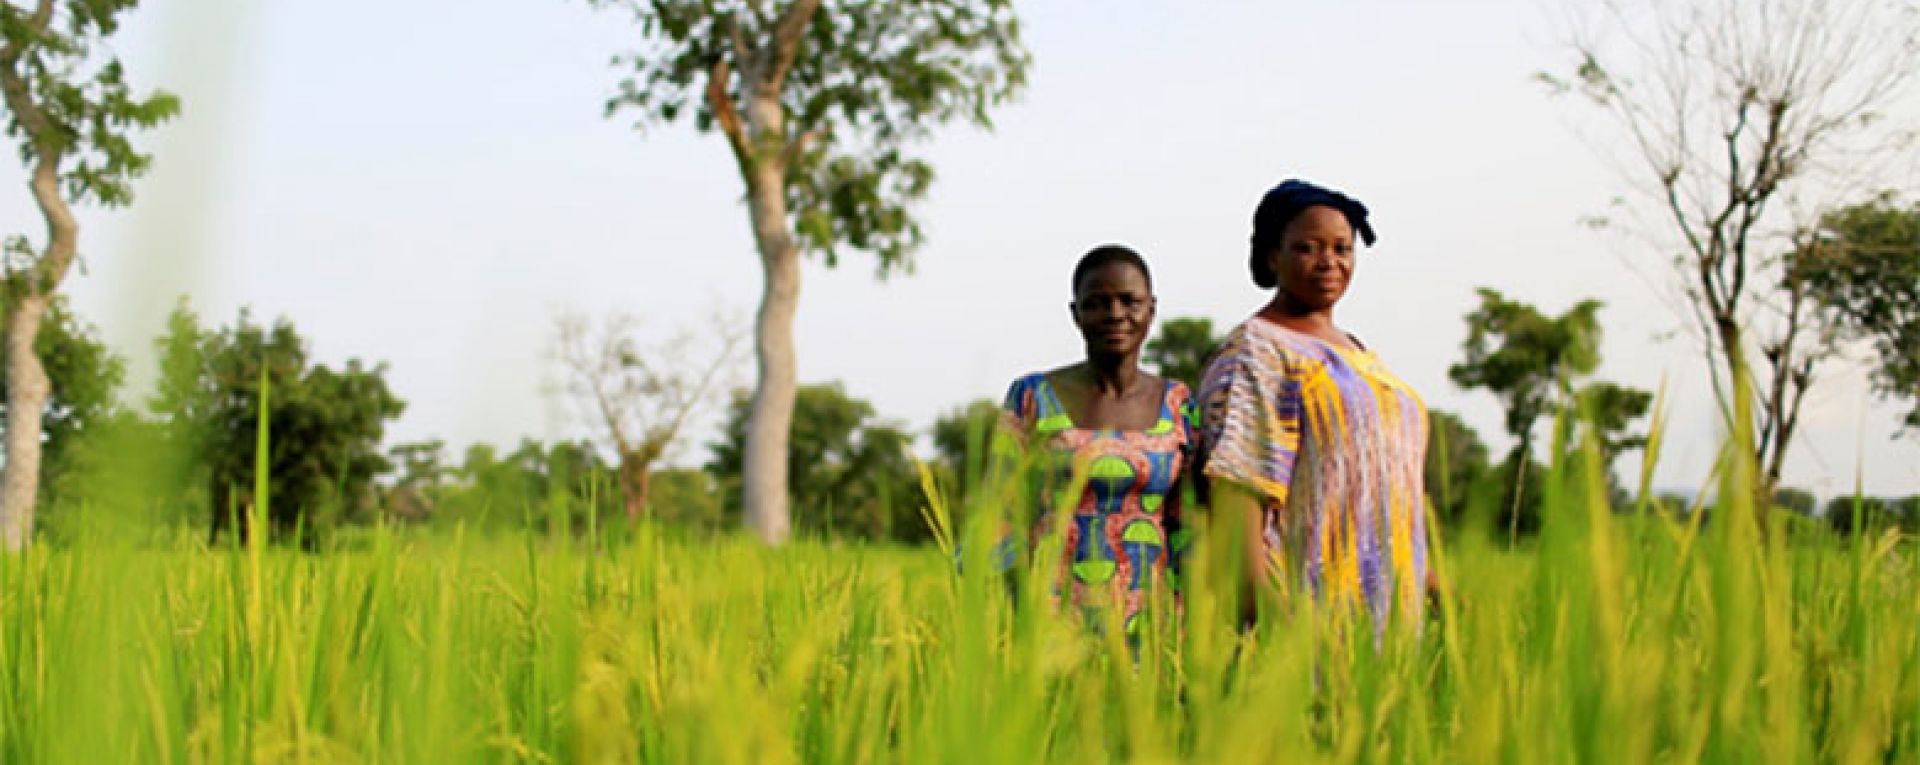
point(1113, 306)
point(1314, 263)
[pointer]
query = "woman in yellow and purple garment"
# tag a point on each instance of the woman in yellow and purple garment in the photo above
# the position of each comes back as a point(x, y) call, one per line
point(1311, 445)
point(1122, 431)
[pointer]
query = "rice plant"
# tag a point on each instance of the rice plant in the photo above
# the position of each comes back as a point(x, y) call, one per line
point(1616, 636)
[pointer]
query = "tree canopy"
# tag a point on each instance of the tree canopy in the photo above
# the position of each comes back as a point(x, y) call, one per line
point(855, 85)
point(1181, 349)
point(1862, 265)
point(1534, 363)
point(325, 425)
point(71, 111)
point(822, 103)
point(1457, 466)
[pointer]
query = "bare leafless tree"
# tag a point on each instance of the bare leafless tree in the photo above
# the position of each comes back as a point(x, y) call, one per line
point(1737, 116)
point(641, 396)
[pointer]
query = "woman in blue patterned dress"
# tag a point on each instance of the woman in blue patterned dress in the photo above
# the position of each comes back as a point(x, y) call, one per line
point(1124, 432)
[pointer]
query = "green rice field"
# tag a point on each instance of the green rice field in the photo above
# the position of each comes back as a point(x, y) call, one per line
point(1644, 637)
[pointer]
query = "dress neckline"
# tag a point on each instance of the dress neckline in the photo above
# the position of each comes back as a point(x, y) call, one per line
point(1166, 391)
point(1357, 346)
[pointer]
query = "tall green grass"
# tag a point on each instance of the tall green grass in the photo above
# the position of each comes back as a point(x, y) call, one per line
point(1613, 638)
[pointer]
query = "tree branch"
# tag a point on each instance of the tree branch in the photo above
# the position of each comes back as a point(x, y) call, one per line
point(725, 113)
point(36, 26)
point(798, 146)
point(788, 32)
point(48, 153)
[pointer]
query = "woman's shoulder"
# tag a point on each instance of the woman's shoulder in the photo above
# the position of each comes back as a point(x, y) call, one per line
point(1033, 401)
point(1264, 345)
point(1028, 381)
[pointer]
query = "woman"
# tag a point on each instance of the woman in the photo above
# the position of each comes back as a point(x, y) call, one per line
point(1310, 445)
point(1122, 431)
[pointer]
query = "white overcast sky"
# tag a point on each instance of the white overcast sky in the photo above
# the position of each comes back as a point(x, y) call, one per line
point(424, 182)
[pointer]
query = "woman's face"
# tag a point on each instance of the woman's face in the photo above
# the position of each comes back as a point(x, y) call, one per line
point(1314, 262)
point(1113, 307)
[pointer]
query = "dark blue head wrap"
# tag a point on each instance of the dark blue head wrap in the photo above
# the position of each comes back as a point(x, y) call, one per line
point(1281, 205)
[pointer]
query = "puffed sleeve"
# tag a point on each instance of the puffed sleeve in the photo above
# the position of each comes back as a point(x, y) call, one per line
point(1249, 412)
point(1019, 412)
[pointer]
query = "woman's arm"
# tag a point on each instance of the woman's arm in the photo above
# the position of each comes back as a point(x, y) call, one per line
point(1238, 540)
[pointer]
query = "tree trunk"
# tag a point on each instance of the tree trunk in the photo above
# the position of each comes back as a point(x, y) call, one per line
point(27, 392)
point(636, 482)
point(771, 417)
point(1740, 384)
point(27, 385)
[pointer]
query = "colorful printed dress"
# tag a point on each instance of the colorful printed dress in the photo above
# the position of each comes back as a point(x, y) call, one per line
point(1335, 445)
point(1120, 533)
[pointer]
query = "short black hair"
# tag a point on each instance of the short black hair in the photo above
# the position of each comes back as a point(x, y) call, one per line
point(1106, 255)
point(1280, 205)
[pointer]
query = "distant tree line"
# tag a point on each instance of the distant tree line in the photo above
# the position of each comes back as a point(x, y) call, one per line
point(854, 472)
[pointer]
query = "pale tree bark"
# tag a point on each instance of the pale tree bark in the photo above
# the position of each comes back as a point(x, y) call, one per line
point(27, 385)
point(30, 290)
point(641, 396)
point(770, 419)
point(27, 393)
point(763, 151)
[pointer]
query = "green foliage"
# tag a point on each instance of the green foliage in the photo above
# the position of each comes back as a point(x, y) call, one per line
point(1610, 409)
point(690, 498)
point(961, 442)
point(1526, 357)
point(1181, 350)
point(68, 96)
point(560, 488)
point(1796, 500)
point(1532, 362)
point(1458, 472)
point(85, 376)
point(1850, 514)
point(1862, 264)
point(867, 80)
point(326, 425)
point(849, 471)
point(1853, 514)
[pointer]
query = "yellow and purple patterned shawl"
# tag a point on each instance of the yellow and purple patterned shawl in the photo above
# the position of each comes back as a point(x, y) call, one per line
point(1335, 445)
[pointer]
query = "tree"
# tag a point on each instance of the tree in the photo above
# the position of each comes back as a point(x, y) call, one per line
point(961, 441)
point(850, 469)
point(820, 103)
point(1181, 350)
point(1731, 109)
point(1851, 514)
point(1457, 464)
point(84, 376)
point(1796, 500)
point(538, 486)
point(689, 497)
point(1861, 266)
point(1907, 509)
point(641, 395)
point(1609, 410)
point(1528, 360)
point(1532, 362)
point(70, 108)
point(422, 473)
point(325, 426)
